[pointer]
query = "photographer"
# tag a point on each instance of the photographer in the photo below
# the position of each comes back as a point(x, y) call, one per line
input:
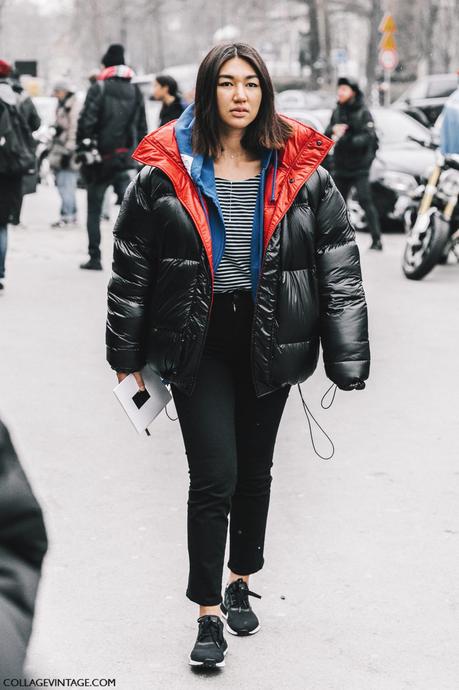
point(111, 124)
point(62, 153)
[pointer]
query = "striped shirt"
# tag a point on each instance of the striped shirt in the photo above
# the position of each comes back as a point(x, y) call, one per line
point(238, 200)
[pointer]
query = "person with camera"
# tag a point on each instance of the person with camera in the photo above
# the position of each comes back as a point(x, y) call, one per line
point(62, 153)
point(111, 124)
point(233, 258)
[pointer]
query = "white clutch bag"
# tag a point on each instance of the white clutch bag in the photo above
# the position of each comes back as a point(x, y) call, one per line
point(142, 407)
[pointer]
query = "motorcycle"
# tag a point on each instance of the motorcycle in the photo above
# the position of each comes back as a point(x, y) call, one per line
point(432, 220)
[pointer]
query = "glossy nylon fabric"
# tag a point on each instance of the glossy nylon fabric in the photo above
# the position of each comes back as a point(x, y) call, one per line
point(309, 290)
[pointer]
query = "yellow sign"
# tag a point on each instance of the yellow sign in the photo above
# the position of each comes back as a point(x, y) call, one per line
point(388, 25)
point(388, 42)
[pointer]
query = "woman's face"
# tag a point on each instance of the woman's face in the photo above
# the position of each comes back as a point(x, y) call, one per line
point(159, 92)
point(238, 94)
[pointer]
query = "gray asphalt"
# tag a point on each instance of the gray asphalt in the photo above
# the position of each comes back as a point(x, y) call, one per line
point(360, 585)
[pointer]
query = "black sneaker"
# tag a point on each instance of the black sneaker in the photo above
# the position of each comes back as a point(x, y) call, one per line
point(92, 265)
point(210, 646)
point(377, 245)
point(240, 619)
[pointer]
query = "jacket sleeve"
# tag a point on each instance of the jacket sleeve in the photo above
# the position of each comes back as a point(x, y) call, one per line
point(23, 544)
point(343, 309)
point(31, 115)
point(329, 129)
point(89, 116)
point(364, 135)
point(133, 278)
point(73, 124)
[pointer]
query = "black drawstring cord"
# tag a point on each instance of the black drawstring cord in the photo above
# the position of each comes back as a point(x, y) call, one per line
point(173, 419)
point(310, 416)
point(322, 404)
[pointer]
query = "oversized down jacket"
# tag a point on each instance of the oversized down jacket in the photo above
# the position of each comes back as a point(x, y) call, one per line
point(309, 290)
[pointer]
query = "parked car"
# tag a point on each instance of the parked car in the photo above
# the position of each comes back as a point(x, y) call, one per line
point(424, 100)
point(400, 162)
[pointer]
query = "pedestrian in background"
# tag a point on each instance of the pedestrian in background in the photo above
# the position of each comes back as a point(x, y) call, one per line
point(111, 122)
point(30, 114)
point(17, 157)
point(166, 90)
point(62, 153)
point(353, 130)
point(449, 133)
point(233, 254)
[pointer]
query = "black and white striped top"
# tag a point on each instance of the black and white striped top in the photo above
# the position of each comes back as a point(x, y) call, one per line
point(238, 200)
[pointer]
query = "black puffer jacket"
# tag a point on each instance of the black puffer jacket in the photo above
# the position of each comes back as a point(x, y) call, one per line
point(23, 544)
point(310, 288)
point(114, 114)
point(354, 152)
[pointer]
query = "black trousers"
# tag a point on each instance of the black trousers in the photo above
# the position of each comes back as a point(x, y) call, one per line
point(96, 191)
point(361, 184)
point(229, 437)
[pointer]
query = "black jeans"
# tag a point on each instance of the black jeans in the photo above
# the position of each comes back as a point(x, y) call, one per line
point(96, 192)
point(229, 437)
point(363, 189)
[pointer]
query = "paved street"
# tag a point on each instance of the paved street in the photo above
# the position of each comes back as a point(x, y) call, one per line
point(360, 587)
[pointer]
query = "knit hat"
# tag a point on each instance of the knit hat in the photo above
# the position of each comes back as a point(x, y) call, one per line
point(348, 81)
point(114, 55)
point(62, 85)
point(5, 68)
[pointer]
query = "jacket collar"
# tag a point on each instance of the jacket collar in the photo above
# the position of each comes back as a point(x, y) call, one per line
point(172, 142)
point(169, 149)
point(120, 71)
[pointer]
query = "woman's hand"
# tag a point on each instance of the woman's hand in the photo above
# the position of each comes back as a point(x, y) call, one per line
point(137, 375)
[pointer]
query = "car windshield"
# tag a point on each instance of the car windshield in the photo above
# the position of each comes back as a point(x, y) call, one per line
point(395, 128)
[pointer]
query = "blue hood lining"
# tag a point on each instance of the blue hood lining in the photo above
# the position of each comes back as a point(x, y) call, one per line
point(201, 170)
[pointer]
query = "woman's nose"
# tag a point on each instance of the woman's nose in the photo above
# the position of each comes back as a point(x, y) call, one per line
point(240, 94)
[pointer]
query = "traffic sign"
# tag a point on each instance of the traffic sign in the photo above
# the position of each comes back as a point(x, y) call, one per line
point(388, 59)
point(388, 42)
point(388, 25)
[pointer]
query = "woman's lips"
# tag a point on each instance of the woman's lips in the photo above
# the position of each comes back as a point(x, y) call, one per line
point(239, 113)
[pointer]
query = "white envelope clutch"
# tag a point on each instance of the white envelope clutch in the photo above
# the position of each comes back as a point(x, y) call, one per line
point(142, 407)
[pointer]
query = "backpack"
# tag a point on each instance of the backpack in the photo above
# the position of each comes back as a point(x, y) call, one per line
point(17, 155)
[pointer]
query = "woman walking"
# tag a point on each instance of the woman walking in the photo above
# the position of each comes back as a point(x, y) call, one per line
point(166, 90)
point(233, 256)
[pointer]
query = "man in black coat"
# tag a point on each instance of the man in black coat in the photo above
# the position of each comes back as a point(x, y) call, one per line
point(112, 121)
point(353, 130)
point(23, 545)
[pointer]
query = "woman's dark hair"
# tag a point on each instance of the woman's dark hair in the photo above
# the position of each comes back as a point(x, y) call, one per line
point(267, 131)
point(167, 80)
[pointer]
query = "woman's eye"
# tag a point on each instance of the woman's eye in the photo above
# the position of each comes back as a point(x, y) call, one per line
point(225, 83)
point(252, 84)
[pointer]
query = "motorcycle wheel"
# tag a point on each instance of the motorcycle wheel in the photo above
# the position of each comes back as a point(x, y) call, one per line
point(421, 256)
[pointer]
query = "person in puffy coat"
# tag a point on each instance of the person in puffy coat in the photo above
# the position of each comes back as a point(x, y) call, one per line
point(113, 121)
point(233, 258)
point(23, 545)
point(353, 130)
point(62, 153)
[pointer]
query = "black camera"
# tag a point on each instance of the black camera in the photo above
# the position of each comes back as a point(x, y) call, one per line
point(88, 153)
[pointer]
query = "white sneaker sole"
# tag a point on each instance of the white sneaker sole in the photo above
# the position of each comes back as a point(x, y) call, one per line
point(238, 634)
point(209, 663)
